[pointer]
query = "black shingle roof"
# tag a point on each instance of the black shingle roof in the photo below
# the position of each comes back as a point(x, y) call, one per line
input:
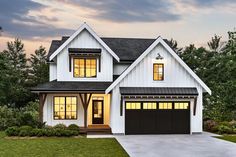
point(127, 49)
point(158, 91)
point(72, 86)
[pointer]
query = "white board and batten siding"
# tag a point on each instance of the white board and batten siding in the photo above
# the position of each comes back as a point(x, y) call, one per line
point(142, 76)
point(84, 40)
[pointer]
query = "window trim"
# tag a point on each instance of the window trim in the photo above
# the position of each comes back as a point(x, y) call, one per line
point(156, 72)
point(84, 58)
point(65, 107)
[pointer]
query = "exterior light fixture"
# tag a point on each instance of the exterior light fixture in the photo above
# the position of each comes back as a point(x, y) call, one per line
point(159, 57)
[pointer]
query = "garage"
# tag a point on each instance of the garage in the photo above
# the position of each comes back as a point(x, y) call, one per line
point(153, 117)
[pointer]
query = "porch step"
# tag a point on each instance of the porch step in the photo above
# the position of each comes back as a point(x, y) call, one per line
point(96, 130)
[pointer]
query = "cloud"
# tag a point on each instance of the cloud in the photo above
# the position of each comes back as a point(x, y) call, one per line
point(16, 20)
point(128, 10)
point(208, 3)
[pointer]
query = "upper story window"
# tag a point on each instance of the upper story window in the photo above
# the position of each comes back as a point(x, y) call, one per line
point(158, 71)
point(85, 67)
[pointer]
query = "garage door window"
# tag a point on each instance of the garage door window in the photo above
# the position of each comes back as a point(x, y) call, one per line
point(133, 105)
point(149, 105)
point(181, 105)
point(165, 105)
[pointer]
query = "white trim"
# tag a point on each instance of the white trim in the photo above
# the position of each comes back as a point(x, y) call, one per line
point(149, 49)
point(81, 28)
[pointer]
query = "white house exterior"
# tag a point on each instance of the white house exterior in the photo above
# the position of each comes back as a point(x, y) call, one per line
point(134, 86)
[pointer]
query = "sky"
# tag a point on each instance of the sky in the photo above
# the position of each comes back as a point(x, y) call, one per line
point(37, 22)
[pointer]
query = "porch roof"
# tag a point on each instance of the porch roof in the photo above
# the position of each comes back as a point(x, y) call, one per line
point(158, 91)
point(71, 86)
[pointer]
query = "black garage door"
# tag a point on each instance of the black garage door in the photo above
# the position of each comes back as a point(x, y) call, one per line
point(157, 118)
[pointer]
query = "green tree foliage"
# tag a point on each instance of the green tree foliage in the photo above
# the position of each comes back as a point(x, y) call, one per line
point(14, 59)
point(214, 43)
point(39, 71)
point(17, 76)
point(174, 45)
point(218, 70)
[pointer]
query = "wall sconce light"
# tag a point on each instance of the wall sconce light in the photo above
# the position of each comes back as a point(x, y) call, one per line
point(159, 57)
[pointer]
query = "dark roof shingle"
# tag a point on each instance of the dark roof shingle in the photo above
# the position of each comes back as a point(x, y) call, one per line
point(158, 91)
point(127, 49)
point(71, 86)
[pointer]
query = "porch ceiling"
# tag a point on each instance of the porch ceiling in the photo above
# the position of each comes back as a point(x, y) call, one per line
point(66, 86)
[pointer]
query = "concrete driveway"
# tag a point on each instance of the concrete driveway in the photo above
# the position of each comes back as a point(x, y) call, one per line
point(202, 145)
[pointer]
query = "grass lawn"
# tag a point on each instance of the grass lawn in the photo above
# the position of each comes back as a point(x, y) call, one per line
point(60, 147)
point(231, 138)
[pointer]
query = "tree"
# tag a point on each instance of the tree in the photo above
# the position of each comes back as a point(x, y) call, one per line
point(174, 45)
point(39, 70)
point(18, 93)
point(214, 43)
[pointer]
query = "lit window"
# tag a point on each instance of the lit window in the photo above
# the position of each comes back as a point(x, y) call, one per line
point(65, 107)
point(149, 105)
point(158, 72)
point(181, 105)
point(133, 105)
point(85, 67)
point(165, 105)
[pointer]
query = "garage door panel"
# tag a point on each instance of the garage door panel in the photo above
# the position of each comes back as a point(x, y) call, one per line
point(164, 121)
point(132, 122)
point(148, 122)
point(181, 121)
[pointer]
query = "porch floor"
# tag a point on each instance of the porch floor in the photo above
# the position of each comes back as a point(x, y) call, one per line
point(96, 129)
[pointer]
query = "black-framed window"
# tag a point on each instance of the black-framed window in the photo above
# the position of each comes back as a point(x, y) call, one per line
point(65, 107)
point(149, 105)
point(158, 71)
point(85, 67)
point(133, 105)
point(181, 105)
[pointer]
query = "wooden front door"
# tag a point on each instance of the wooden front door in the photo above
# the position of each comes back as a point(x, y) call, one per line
point(97, 111)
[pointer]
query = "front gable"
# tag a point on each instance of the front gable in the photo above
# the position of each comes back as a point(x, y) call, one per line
point(83, 40)
point(176, 72)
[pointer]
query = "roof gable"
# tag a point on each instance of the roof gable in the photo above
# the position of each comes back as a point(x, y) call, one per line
point(73, 36)
point(159, 40)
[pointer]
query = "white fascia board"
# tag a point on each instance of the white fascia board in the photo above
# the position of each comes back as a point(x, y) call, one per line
point(143, 55)
point(82, 27)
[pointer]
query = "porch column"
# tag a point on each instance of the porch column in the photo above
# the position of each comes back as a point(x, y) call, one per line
point(85, 99)
point(42, 98)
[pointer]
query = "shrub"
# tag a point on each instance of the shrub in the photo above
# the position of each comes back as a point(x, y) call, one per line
point(233, 124)
point(73, 127)
point(25, 130)
point(24, 133)
point(210, 125)
point(12, 131)
point(60, 126)
point(27, 115)
point(36, 132)
point(223, 129)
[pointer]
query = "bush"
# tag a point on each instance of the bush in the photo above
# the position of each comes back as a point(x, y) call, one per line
point(73, 127)
point(60, 126)
point(210, 125)
point(223, 129)
point(25, 131)
point(12, 131)
point(27, 115)
point(59, 131)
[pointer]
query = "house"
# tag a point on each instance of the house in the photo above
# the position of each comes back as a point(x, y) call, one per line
point(131, 85)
